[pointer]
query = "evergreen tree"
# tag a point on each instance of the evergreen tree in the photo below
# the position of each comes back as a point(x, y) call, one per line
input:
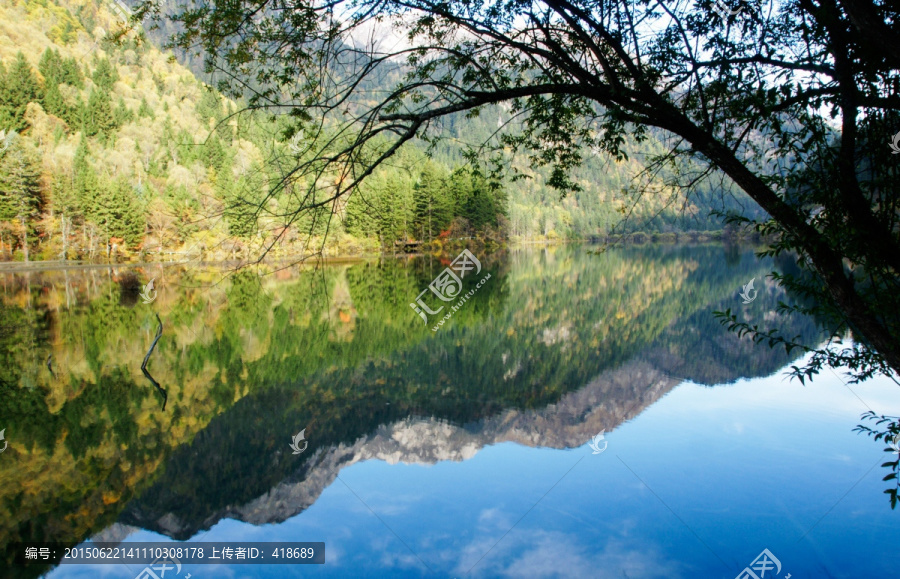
point(144, 110)
point(85, 184)
point(209, 105)
point(432, 201)
point(213, 153)
point(51, 67)
point(20, 88)
point(20, 191)
point(68, 33)
point(71, 73)
point(105, 75)
point(98, 117)
point(239, 213)
point(122, 113)
point(7, 116)
point(54, 103)
point(58, 70)
point(481, 205)
point(119, 213)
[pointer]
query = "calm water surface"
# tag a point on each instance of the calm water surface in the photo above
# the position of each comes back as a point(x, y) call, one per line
point(458, 452)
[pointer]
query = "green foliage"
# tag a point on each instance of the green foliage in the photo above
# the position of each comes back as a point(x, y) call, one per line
point(18, 87)
point(120, 214)
point(432, 201)
point(105, 75)
point(98, 117)
point(84, 183)
point(144, 110)
point(383, 207)
point(54, 103)
point(122, 114)
point(242, 203)
point(210, 105)
point(58, 70)
point(892, 434)
point(213, 154)
point(20, 190)
point(477, 200)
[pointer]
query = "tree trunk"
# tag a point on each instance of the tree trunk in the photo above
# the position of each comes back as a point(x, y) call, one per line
point(65, 238)
point(825, 260)
point(24, 236)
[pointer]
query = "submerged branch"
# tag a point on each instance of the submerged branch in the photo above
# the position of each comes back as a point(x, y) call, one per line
point(147, 358)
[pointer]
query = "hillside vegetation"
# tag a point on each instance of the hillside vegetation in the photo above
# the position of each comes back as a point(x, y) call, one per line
point(112, 149)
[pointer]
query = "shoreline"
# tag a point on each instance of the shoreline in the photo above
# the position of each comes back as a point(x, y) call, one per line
point(691, 238)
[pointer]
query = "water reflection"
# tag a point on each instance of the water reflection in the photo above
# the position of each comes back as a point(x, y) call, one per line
point(558, 346)
point(160, 389)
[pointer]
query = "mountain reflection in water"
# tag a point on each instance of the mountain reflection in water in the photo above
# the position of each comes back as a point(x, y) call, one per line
point(558, 346)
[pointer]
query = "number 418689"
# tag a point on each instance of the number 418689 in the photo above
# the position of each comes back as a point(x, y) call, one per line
point(293, 553)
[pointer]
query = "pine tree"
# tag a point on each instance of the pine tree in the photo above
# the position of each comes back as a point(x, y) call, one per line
point(54, 103)
point(433, 205)
point(7, 116)
point(119, 213)
point(98, 117)
point(209, 106)
point(21, 87)
point(51, 67)
point(144, 109)
point(392, 204)
point(213, 153)
point(68, 32)
point(122, 113)
point(240, 212)
point(105, 75)
point(20, 190)
point(84, 182)
point(71, 73)
point(484, 204)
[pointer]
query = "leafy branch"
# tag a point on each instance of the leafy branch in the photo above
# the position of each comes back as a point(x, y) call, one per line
point(892, 433)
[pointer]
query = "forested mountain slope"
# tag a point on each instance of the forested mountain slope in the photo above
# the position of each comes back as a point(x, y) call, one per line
point(112, 149)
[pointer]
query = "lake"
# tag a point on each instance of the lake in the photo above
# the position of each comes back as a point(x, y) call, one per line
point(580, 414)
